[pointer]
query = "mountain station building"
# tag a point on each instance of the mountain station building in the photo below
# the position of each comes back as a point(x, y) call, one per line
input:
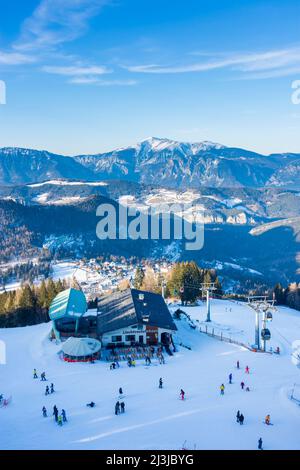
point(134, 317)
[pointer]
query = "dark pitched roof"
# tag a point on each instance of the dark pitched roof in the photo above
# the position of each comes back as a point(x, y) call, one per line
point(132, 307)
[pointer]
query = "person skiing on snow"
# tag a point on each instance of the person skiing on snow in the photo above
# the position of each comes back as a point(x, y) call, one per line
point(117, 408)
point(160, 383)
point(52, 388)
point(230, 378)
point(148, 361)
point(268, 419)
point(122, 407)
point(260, 441)
point(120, 391)
point(47, 390)
point(43, 376)
point(238, 364)
point(59, 420)
point(238, 415)
point(242, 385)
point(182, 394)
point(91, 404)
point(64, 416)
point(242, 418)
point(55, 412)
point(35, 376)
point(222, 389)
point(44, 412)
point(247, 370)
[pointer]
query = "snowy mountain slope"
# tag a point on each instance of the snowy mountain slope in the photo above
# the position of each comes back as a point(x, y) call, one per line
point(156, 419)
point(21, 166)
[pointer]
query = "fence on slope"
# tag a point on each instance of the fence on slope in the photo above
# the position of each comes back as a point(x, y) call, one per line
point(221, 336)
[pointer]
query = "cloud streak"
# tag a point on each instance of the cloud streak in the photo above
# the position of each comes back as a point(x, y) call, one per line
point(275, 61)
point(100, 82)
point(15, 58)
point(54, 22)
point(74, 70)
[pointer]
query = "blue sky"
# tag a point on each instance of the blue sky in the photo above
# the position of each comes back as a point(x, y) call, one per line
point(85, 76)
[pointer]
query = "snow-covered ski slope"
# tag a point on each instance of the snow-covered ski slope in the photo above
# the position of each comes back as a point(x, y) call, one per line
point(154, 418)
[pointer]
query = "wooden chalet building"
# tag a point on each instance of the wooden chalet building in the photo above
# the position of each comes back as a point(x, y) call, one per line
point(134, 317)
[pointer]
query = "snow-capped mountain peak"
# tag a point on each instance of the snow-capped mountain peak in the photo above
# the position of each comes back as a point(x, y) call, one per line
point(158, 144)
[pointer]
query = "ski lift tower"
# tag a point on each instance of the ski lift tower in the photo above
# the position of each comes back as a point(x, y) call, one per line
point(261, 305)
point(206, 289)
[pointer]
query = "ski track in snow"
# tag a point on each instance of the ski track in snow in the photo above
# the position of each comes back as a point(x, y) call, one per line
point(154, 418)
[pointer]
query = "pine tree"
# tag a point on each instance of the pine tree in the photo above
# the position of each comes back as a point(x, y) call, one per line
point(138, 278)
point(42, 295)
point(25, 297)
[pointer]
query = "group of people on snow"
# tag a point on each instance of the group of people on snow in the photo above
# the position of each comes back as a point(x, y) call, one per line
point(119, 408)
point(240, 417)
point(59, 418)
point(51, 390)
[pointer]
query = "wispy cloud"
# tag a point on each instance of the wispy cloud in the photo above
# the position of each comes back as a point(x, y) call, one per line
point(277, 73)
point(54, 22)
point(100, 82)
point(15, 58)
point(74, 70)
point(276, 62)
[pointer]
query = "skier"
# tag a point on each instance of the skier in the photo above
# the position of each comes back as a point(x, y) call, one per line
point(230, 378)
point(277, 350)
point(260, 441)
point(238, 415)
point(43, 376)
point(247, 370)
point(148, 361)
point(59, 420)
point(122, 407)
point(222, 388)
point(129, 362)
point(55, 412)
point(35, 376)
point(133, 363)
point(268, 420)
point(47, 390)
point(160, 383)
point(91, 404)
point(247, 389)
point(52, 388)
point(64, 417)
point(182, 394)
point(120, 392)
point(117, 408)
point(242, 385)
point(238, 364)
point(44, 412)
point(242, 419)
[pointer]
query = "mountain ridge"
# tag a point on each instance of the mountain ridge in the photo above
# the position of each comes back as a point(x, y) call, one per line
point(160, 161)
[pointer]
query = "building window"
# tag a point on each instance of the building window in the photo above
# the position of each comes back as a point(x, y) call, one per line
point(130, 338)
point(116, 339)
